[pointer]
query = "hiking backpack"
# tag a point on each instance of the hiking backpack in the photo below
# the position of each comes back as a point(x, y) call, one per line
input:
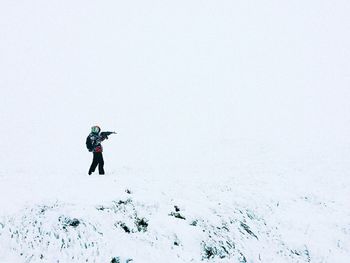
point(89, 145)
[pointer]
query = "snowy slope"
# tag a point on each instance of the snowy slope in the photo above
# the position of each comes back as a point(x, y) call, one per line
point(133, 215)
point(233, 131)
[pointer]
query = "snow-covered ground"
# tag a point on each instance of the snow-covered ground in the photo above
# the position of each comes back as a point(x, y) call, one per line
point(282, 212)
point(233, 131)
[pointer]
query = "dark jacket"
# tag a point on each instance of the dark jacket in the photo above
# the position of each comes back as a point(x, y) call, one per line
point(96, 140)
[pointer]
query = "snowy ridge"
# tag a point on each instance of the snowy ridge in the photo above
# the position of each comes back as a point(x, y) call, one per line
point(210, 227)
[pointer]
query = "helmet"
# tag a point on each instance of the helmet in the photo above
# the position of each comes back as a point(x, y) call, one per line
point(95, 129)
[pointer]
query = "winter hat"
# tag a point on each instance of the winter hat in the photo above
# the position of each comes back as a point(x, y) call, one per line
point(95, 129)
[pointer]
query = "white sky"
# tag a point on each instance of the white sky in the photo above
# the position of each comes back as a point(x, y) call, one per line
point(182, 81)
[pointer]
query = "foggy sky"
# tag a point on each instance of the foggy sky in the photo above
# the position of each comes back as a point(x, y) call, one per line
point(183, 82)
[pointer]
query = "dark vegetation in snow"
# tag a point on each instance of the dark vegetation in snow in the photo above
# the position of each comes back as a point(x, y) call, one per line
point(76, 236)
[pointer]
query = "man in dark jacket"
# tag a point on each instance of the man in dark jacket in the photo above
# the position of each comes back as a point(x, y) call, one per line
point(96, 139)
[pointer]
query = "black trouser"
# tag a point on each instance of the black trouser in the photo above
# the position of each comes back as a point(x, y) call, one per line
point(97, 160)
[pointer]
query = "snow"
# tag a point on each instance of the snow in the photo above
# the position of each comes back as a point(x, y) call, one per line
point(290, 219)
point(233, 131)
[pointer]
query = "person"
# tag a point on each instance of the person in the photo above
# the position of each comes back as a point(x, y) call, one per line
point(96, 138)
